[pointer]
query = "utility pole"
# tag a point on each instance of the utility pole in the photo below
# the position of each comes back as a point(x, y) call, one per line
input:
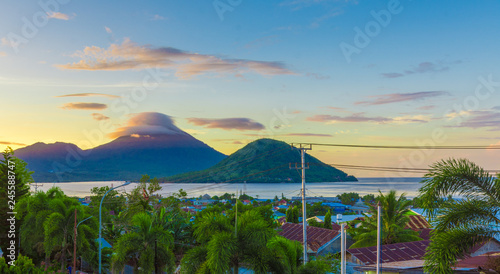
point(156, 260)
point(74, 248)
point(36, 185)
point(303, 148)
point(342, 248)
point(379, 230)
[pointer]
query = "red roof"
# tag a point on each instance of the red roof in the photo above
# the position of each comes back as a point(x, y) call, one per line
point(316, 237)
point(391, 253)
point(417, 222)
point(425, 234)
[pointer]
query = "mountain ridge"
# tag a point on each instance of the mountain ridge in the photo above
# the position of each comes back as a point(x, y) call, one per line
point(124, 158)
point(264, 160)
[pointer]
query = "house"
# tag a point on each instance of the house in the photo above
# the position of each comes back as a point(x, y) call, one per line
point(477, 263)
point(405, 257)
point(394, 257)
point(360, 207)
point(320, 241)
point(338, 207)
point(282, 202)
point(246, 202)
point(281, 207)
point(204, 202)
point(312, 200)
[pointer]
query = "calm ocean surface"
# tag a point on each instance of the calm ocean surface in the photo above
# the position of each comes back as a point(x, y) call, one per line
point(364, 186)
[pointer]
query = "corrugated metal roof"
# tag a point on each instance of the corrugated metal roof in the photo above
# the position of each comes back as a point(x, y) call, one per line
point(391, 253)
point(425, 234)
point(316, 237)
point(417, 222)
point(475, 262)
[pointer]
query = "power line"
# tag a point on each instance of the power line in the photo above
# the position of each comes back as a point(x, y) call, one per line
point(402, 147)
point(385, 168)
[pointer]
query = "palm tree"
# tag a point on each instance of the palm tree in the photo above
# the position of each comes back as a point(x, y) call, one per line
point(284, 256)
point(220, 249)
point(459, 225)
point(394, 221)
point(148, 245)
point(59, 227)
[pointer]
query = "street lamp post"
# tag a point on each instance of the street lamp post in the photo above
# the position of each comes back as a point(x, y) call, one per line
point(74, 249)
point(100, 221)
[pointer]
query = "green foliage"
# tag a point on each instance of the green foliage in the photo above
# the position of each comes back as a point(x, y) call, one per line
point(222, 248)
point(459, 225)
point(14, 170)
point(53, 214)
point(147, 244)
point(394, 220)
point(328, 220)
point(369, 198)
point(292, 214)
point(226, 196)
point(284, 255)
point(22, 265)
point(321, 265)
point(113, 201)
point(315, 223)
point(245, 197)
point(348, 198)
point(183, 194)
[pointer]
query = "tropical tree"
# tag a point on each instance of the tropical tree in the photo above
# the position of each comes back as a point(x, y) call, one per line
point(52, 213)
point(59, 229)
point(459, 225)
point(394, 221)
point(328, 220)
point(14, 185)
point(284, 256)
point(292, 214)
point(348, 198)
point(222, 246)
point(321, 265)
point(148, 245)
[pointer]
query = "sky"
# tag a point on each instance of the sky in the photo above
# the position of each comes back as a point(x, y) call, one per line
point(228, 72)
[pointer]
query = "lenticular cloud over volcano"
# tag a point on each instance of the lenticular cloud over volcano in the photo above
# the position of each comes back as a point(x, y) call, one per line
point(148, 123)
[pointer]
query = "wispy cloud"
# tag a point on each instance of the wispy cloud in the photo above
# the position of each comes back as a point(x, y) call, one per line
point(11, 143)
point(130, 55)
point(338, 109)
point(424, 67)
point(401, 97)
point(2, 54)
point(108, 30)
point(361, 118)
point(427, 107)
point(99, 117)
point(88, 95)
point(228, 123)
point(85, 106)
point(478, 119)
point(60, 16)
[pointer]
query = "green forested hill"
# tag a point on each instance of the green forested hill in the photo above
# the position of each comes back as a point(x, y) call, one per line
point(263, 161)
